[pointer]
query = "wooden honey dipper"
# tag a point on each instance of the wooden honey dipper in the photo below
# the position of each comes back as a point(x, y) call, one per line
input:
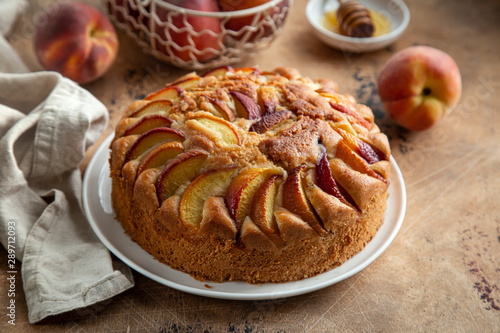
point(354, 19)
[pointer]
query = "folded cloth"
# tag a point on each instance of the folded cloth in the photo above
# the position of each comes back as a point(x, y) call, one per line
point(46, 124)
point(9, 59)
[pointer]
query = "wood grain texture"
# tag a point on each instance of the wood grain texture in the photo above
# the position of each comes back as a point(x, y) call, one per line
point(442, 272)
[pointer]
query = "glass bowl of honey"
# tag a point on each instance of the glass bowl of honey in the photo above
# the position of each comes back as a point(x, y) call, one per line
point(390, 19)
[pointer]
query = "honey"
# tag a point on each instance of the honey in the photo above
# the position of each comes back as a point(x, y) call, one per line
point(381, 24)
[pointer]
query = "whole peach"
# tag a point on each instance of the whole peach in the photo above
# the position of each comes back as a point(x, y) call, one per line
point(418, 86)
point(238, 23)
point(202, 43)
point(233, 5)
point(77, 41)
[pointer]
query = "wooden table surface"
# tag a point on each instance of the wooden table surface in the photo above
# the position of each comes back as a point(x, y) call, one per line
point(441, 273)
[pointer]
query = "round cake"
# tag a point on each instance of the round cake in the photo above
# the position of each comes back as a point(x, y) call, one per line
point(245, 175)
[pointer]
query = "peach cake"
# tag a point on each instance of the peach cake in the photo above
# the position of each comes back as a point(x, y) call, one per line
point(245, 175)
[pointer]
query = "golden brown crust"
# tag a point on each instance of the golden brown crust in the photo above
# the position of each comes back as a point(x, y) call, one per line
point(292, 227)
point(216, 220)
point(334, 214)
point(145, 190)
point(281, 125)
point(361, 187)
point(253, 237)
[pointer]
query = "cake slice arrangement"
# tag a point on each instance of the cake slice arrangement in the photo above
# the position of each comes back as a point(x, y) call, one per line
point(258, 176)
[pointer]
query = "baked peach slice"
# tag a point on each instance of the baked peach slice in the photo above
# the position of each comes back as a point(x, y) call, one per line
point(187, 82)
point(154, 107)
point(270, 120)
point(245, 107)
point(219, 128)
point(219, 72)
point(208, 184)
point(355, 161)
point(160, 156)
point(352, 181)
point(181, 170)
point(169, 94)
point(268, 99)
point(143, 124)
point(221, 108)
point(242, 191)
point(262, 210)
point(324, 178)
point(247, 71)
point(351, 114)
point(295, 199)
point(363, 149)
point(333, 213)
point(152, 138)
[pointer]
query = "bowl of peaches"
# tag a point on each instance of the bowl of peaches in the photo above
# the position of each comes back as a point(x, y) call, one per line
point(200, 34)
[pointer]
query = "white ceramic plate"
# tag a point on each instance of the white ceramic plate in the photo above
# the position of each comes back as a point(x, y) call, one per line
point(97, 205)
point(394, 10)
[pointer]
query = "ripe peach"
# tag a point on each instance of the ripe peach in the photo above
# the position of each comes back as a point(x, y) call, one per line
point(203, 44)
point(418, 86)
point(78, 41)
point(239, 22)
point(233, 5)
point(245, 107)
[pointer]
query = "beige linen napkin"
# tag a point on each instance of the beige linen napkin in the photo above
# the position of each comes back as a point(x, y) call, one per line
point(9, 60)
point(46, 124)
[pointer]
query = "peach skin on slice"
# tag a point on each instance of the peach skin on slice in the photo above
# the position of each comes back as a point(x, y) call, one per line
point(242, 190)
point(268, 99)
point(262, 211)
point(324, 178)
point(131, 126)
point(362, 148)
point(160, 155)
point(220, 129)
point(270, 120)
point(219, 72)
point(169, 94)
point(182, 169)
point(295, 200)
point(158, 107)
point(355, 161)
point(221, 108)
point(134, 106)
point(187, 82)
point(247, 71)
point(353, 114)
point(245, 107)
point(206, 185)
point(152, 138)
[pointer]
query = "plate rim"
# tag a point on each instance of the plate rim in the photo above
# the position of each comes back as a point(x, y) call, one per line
point(94, 168)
